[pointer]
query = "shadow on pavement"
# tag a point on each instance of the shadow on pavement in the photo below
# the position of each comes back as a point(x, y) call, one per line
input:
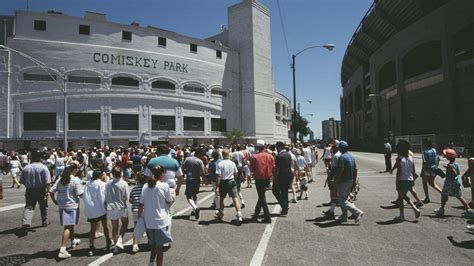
point(334, 223)
point(469, 244)
point(182, 217)
point(433, 216)
point(395, 206)
point(216, 221)
point(18, 259)
point(320, 219)
point(19, 231)
point(393, 221)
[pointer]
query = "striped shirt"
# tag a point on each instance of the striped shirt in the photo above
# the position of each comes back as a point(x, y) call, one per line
point(68, 195)
point(135, 195)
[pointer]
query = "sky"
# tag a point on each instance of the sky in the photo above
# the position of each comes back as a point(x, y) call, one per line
point(305, 22)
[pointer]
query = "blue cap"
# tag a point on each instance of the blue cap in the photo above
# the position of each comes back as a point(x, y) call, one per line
point(343, 144)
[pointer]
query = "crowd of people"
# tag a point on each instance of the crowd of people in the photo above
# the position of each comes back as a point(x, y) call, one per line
point(102, 178)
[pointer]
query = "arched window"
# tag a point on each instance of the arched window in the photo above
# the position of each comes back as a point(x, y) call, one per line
point(284, 110)
point(163, 85)
point(193, 89)
point(421, 59)
point(387, 76)
point(38, 75)
point(277, 108)
point(220, 92)
point(125, 81)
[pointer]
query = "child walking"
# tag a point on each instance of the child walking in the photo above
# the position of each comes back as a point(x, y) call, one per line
point(116, 197)
point(69, 190)
point(405, 178)
point(135, 195)
point(156, 196)
point(94, 207)
point(452, 184)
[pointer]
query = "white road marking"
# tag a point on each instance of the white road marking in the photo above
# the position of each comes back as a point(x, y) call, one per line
point(259, 254)
point(12, 207)
point(106, 257)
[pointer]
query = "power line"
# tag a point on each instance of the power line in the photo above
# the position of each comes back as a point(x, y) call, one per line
point(284, 31)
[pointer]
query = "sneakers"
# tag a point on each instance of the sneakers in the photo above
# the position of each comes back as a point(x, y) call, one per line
point(417, 213)
point(239, 218)
point(439, 212)
point(196, 213)
point(468, 214)
point(425, 201)
point(329, 214)
point(219, 214)
point(419, 204)
point(341, 219)
point(63, 254)
point(359, 216)
point(75, 242)
point(135, 249)
point(91, 251)
point(470, 228)
point(119, 244)
point(98, 235)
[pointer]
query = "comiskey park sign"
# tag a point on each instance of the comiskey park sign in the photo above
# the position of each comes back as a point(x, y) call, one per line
point(126, 60)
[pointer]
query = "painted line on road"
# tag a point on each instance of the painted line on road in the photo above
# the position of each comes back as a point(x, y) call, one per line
point(259, 254)
point(106, 257)
point(12, 207)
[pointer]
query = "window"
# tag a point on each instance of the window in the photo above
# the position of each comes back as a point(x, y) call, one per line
point(79, 79)
point(195, 89)
point(126, 35)
point(162, 41)
point(218, 92)
point(277, 108)
point(193, 48)
point(125, 81)
point(124, 122)
point(84, 121)
point(193, 123)
point(421, 59)
point(284, 110)
point(387, 76)
point(84, 29)
point(38, 77)
point(163, 85)
point(159, 122)
point(219, 124)
point(39, 121)
point(40, 25)
point(218, 53)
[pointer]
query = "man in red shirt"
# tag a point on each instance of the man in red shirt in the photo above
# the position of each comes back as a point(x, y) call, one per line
point(262, 165)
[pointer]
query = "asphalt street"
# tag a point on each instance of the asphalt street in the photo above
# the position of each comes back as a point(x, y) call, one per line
point(304, 237)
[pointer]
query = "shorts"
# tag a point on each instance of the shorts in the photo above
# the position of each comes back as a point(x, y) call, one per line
point(68, 216)
point(159, 237)
point(405, 185)
point(15, 172)
point(451, 189)
point(428, 172)
point(117, 214)
point(135, 216)
point(228, 187)
point(97, 219)
point(247, 171)
point(192, 187)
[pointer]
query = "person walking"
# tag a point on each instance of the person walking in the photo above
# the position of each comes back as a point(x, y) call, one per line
point(331, 182)
point(345, 178)
point(430, 164)
point(15, 170)
point(69, 189)
point(405, 178)
point(36, 178)
point(193, 167)
point(284, 176)
point(262, 165)
point(387, 151)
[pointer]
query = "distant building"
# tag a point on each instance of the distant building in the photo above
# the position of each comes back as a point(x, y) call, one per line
point(331, 129)
point(311, 136)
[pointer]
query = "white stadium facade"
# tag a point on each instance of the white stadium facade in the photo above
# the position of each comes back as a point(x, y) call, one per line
point(133, 85)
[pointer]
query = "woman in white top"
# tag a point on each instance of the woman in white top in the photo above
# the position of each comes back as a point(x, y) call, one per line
point(59, 165)
point(15, 169)
point(405, 178)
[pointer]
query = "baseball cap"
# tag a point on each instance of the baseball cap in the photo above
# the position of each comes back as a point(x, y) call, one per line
point(450, 153)
point(260, 143)
point(343, 144)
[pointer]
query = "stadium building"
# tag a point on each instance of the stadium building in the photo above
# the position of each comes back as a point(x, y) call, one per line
point(128, 84)
point(408, 72)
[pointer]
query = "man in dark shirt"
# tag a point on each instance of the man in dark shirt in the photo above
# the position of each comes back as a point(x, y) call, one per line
point(193, 168)
point(283, 175)
point(36, 178)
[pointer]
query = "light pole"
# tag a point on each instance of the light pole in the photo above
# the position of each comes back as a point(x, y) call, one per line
point(329, 47)
point(48, 70)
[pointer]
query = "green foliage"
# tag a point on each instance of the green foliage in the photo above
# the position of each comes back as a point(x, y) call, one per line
point(300, 125)
point(234, 135)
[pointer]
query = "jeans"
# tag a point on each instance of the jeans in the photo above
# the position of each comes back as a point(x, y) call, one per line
point(261, 185)
point(33, 196)
point(388, 162)
point(343, 191)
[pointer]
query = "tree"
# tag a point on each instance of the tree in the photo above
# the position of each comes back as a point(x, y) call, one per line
point(234, 135)
point(300, 124)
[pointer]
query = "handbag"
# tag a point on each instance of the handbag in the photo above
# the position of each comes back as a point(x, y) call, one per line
point(466, 182)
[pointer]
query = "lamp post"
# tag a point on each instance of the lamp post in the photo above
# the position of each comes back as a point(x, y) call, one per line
point(329, 47)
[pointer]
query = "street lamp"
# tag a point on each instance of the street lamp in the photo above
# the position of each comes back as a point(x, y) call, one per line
point(48, 70)
point(329, 47)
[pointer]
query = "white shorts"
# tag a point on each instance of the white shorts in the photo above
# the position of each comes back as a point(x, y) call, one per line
point(117, 214)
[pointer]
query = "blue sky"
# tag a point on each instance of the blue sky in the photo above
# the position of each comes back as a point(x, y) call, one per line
point(306, 22)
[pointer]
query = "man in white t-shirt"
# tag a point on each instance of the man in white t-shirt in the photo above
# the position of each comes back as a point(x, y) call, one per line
point(226, 171)
point(309, 160)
